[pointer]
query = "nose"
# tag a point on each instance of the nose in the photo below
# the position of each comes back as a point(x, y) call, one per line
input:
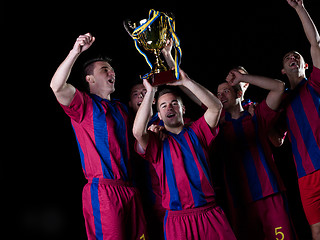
point(111, 73)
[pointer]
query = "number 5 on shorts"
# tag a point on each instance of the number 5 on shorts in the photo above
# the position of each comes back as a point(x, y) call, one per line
point(277, 232)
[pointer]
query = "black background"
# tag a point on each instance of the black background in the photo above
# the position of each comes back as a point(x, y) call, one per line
point(215, 36)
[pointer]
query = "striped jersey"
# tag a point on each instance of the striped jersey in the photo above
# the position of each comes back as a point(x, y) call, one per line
point(100, 127)
point(181, 162)
point(249, 169)
point(303, 120)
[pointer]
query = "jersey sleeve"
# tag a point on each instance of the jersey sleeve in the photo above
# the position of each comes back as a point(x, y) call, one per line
point(153, 150)
point(266, 116)
point(314, 79)
point(204, 132)
point(76, 108)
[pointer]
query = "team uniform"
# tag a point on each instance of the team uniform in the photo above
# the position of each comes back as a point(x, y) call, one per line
point(181, 163)
point(303, 121)
point(111, 205)
point(258, 208)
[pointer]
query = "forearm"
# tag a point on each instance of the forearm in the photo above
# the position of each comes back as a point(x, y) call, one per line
point(308, 26)
point(203, 95)
point(59, 79)
point(169, 59)
point(264, 82)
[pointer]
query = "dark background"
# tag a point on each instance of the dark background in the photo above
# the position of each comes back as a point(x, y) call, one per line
point(215, 36)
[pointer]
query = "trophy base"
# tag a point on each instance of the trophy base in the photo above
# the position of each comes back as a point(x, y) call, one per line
point(162, 78)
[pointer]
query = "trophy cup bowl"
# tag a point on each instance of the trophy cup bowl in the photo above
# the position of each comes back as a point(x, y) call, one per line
point(153, 39)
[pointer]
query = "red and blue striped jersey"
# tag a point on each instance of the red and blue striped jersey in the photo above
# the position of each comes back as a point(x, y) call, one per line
point(101, 131)
point(249, 169)
point(303, 120)
point(181, 162)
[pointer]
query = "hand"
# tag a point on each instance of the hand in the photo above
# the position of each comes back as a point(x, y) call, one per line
point(83, 42)
point(234, 77)
point(158, 130)
point(183, 77)
point(295, 3)
point(148, 86)
point(167, 49)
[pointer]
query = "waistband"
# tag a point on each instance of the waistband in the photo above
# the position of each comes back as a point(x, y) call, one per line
point(112, 182)
point(197, 210)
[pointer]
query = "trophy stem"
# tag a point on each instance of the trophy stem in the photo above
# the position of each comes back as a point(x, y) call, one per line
point(158, 66)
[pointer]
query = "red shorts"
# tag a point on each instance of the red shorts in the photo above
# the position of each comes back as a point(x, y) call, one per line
point(112, 210)
point(266, 218)
point(208, 222)
point(310, 196)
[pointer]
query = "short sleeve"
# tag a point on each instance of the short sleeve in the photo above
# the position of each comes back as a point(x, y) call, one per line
point(314, 79)
point(204, 132)
point(153, 150)
point(76, 108)
point(266, 116)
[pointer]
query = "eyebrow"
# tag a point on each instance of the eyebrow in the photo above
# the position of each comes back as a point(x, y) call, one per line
point(107, 67)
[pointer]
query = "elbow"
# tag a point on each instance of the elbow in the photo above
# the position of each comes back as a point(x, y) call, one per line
point(281, 86)
point(137, 133)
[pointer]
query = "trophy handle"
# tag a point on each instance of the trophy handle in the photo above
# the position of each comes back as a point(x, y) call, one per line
point(127, 26)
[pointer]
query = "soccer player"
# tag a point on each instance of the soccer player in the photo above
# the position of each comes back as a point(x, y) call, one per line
point(111, 206)
point(302, 105)
point(254, 189)
point(181, 162)
point(145, 175)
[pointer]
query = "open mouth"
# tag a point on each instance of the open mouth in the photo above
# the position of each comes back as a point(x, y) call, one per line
point(139, 103)
point(170, 115)
point(293, 64)
point(112, 80)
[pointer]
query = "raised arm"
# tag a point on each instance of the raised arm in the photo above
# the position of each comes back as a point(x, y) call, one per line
point(63, 91)
point(309, 29)
point(275, 86)
point(213, 104)
point(142, 117)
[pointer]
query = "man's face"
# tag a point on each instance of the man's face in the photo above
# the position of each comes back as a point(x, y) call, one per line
point(293, 62)
point(103, 77)
point(171, 110)
point(136, 96)
point(226, 95)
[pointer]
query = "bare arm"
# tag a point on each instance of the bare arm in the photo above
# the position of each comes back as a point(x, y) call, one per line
point(213, 104)
point(142, 117)
point(166, 52)
point(63, 91)
point(309, 29)
point(275, 86)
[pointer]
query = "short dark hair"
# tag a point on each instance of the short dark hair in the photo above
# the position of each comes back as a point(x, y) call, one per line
point(88, 66)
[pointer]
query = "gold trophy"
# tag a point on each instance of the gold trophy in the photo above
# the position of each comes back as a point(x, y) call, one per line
point(152, 34)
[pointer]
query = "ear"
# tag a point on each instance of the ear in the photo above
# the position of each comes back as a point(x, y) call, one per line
point(159, 116)
point(306, 66)
point(183, 109)
point(90, 79)
point(283, 71)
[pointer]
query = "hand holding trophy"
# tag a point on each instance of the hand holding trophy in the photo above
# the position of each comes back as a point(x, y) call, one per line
point(152, 34)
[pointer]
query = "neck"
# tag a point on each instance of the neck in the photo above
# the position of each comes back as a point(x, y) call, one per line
point(294, 81)
point(175, 130)
point(236, 110)
point(295, 78)
point(103, 95)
